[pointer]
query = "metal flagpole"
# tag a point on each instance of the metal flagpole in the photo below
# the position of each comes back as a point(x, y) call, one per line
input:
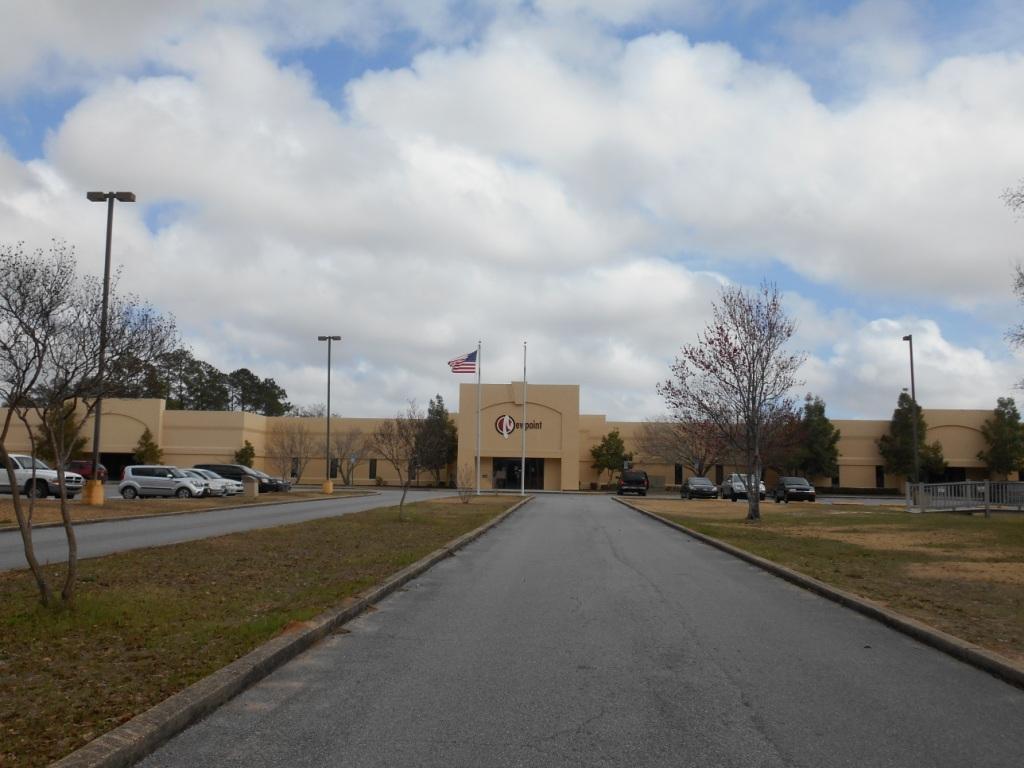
point(478, 364)
point(522, 466)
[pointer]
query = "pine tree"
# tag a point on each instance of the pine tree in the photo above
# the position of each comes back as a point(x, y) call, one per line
point(147, 451)
point(437, 441)
point(610, 454)
point(817, 454)
point(1004, 436)
point(245, 454)
point(897, 447)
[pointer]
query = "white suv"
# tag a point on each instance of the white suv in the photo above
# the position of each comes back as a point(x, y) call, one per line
point(735, 487)
point(36, 479)
point(158, 480)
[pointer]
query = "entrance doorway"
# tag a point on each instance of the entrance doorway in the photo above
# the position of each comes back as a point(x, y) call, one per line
point(506, 474)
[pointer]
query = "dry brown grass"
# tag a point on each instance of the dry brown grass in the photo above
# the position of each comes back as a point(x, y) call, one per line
point(962, 574)
point(148, 623)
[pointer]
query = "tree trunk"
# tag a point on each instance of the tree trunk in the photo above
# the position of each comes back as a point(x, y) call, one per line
point(405, 490)
point(25, 527)
point(754, 492)
point(67, 594)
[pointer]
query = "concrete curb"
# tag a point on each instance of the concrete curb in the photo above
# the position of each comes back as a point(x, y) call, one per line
point(132, 741)
point(4, 528)
point(999, 666)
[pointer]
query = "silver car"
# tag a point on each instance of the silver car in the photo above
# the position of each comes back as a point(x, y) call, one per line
point(159, 480)
point(219, 486)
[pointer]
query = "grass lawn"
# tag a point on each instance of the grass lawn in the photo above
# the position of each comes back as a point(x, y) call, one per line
point(148, 623)
point(962, 574)
point(48, 510)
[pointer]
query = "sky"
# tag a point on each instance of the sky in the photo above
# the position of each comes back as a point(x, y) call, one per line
point(582, 176)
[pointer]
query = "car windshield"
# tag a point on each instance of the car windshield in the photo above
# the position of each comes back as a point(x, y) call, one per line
point(796, 481)
point(208, 474)
point(28, 462)
point(264, 475)
point(699, 481)
point(175, 472)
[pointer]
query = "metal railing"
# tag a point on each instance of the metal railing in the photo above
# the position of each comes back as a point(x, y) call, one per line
point(967, 496)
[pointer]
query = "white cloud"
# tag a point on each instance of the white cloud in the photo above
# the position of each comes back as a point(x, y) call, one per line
point(865, 371)
point(533, 186)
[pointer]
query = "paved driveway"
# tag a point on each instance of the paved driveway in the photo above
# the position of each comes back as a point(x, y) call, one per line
point(117, 535)
point(579, 633)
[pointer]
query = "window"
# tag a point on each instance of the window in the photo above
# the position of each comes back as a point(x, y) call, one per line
point(719, 474)
point(679, 474)
point(835, 481)
point(879, 477)
point(373, 469)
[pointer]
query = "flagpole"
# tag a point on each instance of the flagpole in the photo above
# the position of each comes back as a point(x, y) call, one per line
point(522, 466)
point(478, 366)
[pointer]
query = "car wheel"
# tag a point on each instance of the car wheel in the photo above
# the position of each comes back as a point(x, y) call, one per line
point(643, 493)
point(812, 498)
point(732, 497)
point(787, 498)
point(778, 499)
point(36, 490)
point(183, 493)
point(129, 492)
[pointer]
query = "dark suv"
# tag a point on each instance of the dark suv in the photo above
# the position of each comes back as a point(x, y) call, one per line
point(633, 481)
point(238, 471)
point(793, 489)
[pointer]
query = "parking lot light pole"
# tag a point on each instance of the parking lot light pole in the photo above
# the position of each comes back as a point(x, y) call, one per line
point(913, 398)
point(93, 493)
point(328, 486)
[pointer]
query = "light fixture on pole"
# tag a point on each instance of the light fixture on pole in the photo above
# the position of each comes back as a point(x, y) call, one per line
point(913, 421)
point(93, 494)
point(328, 486)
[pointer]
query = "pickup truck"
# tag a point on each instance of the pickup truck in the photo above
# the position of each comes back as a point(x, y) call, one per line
point(43, 483)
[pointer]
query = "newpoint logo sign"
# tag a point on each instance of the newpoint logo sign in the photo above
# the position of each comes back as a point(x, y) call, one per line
point(505, 425)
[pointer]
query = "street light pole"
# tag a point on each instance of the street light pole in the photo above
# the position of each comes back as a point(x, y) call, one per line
point(93, 494)
point(328, 486)
point(913, 422)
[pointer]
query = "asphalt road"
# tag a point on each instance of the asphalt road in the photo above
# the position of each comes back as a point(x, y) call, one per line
point(579, 633)
point(97, 539)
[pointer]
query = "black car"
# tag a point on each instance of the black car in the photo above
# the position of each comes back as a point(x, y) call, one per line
point(633, 481)
point(238, 471)
point(698, 488)
point(276, 483)
point(793, 489)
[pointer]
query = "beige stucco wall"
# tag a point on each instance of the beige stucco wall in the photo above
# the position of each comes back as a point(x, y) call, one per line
point(553, 419)
point(561, 436)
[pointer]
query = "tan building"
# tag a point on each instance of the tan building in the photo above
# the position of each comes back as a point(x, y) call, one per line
point(558, 441)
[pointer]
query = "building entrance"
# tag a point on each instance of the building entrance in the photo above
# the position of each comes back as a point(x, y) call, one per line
point(506, 474)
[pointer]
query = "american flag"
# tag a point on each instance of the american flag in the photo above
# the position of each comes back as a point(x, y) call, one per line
point(464, 363)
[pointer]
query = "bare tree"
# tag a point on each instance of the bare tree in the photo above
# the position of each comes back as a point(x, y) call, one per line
point(292, 443)
point(49, 363)
point(1014, 197)
point(394, 440)
point(69, 386)
point(33, 289)
point(695, 445)
point(466, 483)
point(350, 447)
point(738, 376)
